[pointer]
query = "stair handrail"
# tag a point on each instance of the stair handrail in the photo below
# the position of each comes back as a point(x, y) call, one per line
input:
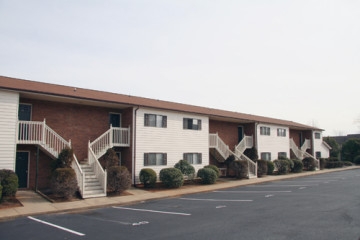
point(100, 173)
point(298, 153)
point(252, 166)
point(306, 145)
point(80, 175)
point(216, 142)
point(246, 142)
point(102, 143)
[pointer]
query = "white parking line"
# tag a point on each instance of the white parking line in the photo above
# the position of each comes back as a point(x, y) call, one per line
point(302, 185)
point(216, 200)
point(57, 226)
point(253, 191)
point(153, 211)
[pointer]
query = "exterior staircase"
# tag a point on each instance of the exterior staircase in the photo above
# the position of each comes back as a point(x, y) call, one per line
point(221, 151)
point(92, 185)
point(301, 153)
point(90, 175)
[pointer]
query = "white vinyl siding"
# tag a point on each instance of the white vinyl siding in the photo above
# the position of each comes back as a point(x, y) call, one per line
point(319, 146)
point(271, 143)
point(172, 140)
point(9, 103)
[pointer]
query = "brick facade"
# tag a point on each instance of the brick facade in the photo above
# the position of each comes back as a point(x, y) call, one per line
point(80, 123)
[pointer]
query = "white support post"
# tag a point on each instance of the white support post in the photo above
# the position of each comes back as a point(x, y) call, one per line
point(43, 140)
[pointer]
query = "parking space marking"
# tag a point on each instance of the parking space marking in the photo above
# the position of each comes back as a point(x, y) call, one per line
point(216, 200)
point(302, 185)
point(56, 226)
point(107, 220)
point(153, 211)
point(265, 191)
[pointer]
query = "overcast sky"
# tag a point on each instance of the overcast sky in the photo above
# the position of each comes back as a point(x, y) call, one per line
point(294, 60)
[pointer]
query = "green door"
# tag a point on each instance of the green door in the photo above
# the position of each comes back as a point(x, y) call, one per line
point(21, 168)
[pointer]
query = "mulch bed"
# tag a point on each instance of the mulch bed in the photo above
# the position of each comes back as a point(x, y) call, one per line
point(9, 202)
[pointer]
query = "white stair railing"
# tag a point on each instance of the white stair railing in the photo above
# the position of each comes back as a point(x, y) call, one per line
point(246, 142)
point(80, 175)
point(216, 142)
point(115, 136)
point(33, 132)
point(99, 172)
point(301, 154)
point(306, 145)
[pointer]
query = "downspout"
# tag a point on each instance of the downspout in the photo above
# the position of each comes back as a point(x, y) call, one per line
point(134, 145)
point(37, 169)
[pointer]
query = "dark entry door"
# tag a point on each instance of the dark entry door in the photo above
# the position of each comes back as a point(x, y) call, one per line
point(24, 112)
point(240, 133)
point(21, 168)
point(115, 119)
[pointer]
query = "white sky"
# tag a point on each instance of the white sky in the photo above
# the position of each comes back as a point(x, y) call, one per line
point(294, 60)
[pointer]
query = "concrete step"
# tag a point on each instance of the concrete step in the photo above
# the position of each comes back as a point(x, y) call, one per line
point(93, 194)
point(93, 188)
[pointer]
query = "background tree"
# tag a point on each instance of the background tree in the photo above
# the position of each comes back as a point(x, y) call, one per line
point(350, 149)
point(335, 148)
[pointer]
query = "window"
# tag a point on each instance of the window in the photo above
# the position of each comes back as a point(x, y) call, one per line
point(190, 123)
point(152, 120)
point(282, 155)
point(317, 135)
point(155, 159)
point(193, 158)
point(266, 156)
point(265, 131)
point(281, 132)
point(318, 154)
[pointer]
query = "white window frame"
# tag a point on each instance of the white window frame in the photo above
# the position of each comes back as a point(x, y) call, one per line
point(266, 156)
point(317, 135)
point(193, 158)
point(155, 159)
point(265, 131)
point(281, 132)
point(192, 124)
point(154, 120)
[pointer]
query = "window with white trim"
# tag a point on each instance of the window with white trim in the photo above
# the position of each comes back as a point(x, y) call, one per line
point(265, 131)
point(317, 135)
point(153, 120)
point(266, 156)
point(192, 123)
point(318, 154)
point(193, 158)
point(155, 159)
point(281, 132)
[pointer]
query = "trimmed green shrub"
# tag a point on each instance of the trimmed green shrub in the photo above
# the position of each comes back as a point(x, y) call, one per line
point(309, 164)
point(118, 179)
point(64, 160)
point(298, 166)
point(262, 167)
point(357, 160)
point(322, 163)
point(347, 163)
point(186, 168)
point(64, 183)
point(241, 168)
point(251, 153)
point(148, 177)
point(171, 177)
point(334, 164)
point(207, 175)
point(215, 168)
point(9, 182)
point(283, 166)
point(1, 192)
point(291, 164)
point(270, 167)
point(110, 158)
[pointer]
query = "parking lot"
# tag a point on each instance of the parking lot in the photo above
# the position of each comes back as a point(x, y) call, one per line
point(325, 206)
